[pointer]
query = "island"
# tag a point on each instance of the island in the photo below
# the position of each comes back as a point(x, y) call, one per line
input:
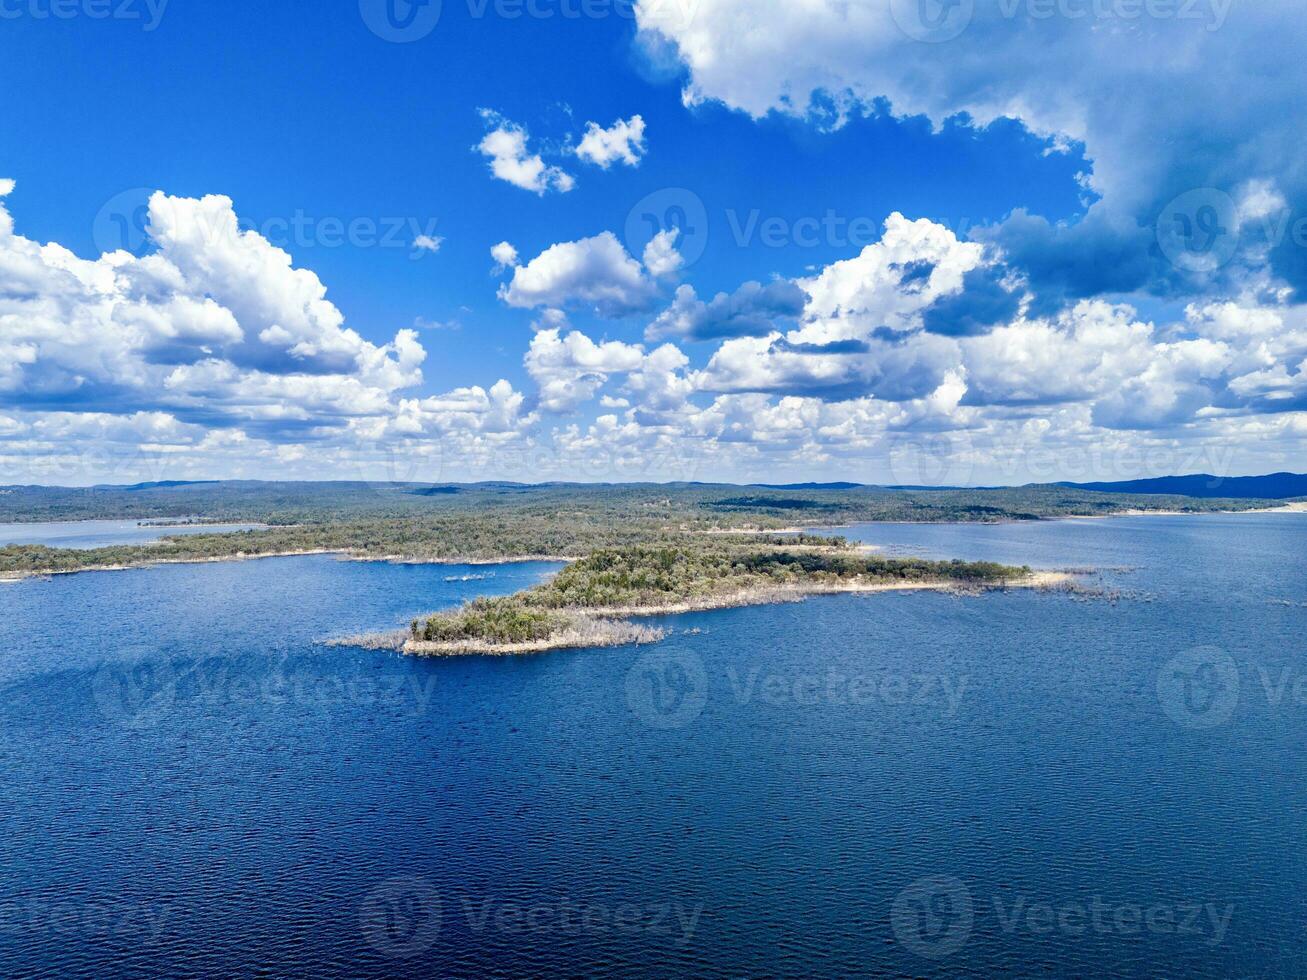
point(593, 601)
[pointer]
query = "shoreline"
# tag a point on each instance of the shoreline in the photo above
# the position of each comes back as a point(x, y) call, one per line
point(1289, 507)
point(610, 626)
point(10, 578)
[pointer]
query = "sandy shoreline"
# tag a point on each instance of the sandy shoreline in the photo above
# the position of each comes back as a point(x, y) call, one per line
point(609, 626)
point(474, 562)
point(1290, 507)
point(150, 563)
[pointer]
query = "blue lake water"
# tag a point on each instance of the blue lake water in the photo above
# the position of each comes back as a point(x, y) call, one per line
point(905, 784)
point(103, 534)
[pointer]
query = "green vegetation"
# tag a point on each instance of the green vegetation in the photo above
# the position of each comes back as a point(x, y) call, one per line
point(651, 578)
point(498, 621)
point(656, 575)
point(494, 522)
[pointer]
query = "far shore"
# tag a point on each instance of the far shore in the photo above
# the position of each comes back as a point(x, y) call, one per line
point(1289, 507)
point(152, 562)
point(10, 577)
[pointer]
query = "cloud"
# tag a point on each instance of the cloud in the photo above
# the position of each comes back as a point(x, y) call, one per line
point(988, 297)
point(1145, 91)
point(921, 312)
point(212, 344)
point(596, 273)
point(839, 371)
point(422, 323)
point(505, 144)
point(214, 355)
point(623, 142)
point(660, 255)
point(890, 282)
point(751, 311)
point(505, 256)
point(571, 368)
point(427, 243)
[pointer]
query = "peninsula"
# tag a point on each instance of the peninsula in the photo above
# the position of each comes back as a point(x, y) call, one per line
point(592, 601)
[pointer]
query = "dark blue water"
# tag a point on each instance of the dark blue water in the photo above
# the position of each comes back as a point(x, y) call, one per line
point(909, 784)
point(104, 534)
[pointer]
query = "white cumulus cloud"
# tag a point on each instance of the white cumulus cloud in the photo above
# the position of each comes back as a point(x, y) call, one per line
point(622, 142)
point(595, 272)
point(505, 145)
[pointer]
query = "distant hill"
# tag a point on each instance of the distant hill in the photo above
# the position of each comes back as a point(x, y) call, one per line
point(161, 485)
point(1276, 486)
point(806, 486)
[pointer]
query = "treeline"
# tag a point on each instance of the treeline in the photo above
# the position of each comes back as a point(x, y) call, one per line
point(504, 521)
point(319, 503)
point(656, 576)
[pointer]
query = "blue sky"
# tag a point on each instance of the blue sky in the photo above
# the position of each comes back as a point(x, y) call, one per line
point(291, 114)
point(998, 138)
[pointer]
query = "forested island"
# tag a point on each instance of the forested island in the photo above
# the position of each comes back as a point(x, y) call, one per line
point(591, 602)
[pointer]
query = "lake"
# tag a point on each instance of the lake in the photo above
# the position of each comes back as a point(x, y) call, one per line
point(104, 534)
point(903, 784)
